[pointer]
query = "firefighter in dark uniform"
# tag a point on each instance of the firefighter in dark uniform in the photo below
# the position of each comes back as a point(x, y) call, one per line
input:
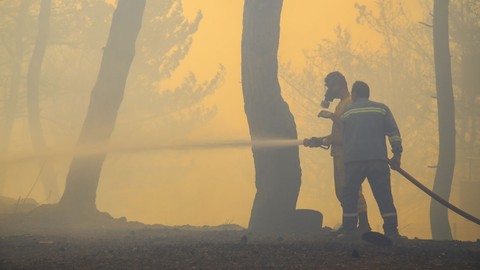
point(366, 124)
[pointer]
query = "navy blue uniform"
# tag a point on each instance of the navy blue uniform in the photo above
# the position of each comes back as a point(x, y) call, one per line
point(366, 124)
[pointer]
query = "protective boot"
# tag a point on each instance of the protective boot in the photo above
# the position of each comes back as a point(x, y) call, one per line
point(363, 225)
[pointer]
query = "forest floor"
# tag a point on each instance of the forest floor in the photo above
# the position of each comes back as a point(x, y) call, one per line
point(138, 246)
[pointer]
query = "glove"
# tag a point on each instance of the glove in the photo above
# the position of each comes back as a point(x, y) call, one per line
point(313, 142)
point(325, 114)
point(395, 162)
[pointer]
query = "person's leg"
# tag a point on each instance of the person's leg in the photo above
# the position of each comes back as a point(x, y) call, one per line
point(379, 178)
point(354, 176)
point(363, 224)
point(339, 177)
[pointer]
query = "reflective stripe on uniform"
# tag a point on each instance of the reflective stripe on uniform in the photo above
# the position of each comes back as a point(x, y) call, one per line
point(350, 215)
point(391, 214)
point(394, 138)
point(364, 110)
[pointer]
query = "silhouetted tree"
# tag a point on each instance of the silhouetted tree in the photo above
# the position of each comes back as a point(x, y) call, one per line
point(446, 121)
point(29, 95)
point(107, 95)
point(13, 51)
point(47, 176)
point(78, 29)
point(277, 171)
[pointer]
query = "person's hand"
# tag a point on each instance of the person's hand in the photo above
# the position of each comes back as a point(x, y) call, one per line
point(306, 142)
point(313, 142)
point(326, 141)
point(325, 114)
point(395, 162)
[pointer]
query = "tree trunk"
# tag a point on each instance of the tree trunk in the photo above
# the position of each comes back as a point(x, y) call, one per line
point(11, 100)
point(47, 176)
point(107, 94)
point(446, 121)
point(278, 172)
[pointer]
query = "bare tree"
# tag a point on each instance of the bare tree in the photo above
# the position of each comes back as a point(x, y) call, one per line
point(278, 172)
point(47, 175)
point(106, 97)
point(446, 121)
point(10, 100)
point(77, 30)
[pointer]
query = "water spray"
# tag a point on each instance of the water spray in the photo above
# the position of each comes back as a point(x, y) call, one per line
point(209, 145)
point(126, 149)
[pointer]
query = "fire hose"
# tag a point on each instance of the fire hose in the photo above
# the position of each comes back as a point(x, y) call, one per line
point(436, 196)
point(432, 194)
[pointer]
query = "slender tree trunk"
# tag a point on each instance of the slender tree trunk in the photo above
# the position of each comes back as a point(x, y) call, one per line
point(278, 172)
point(446, 121)
point(47, 176)
point(105, 100)
point(12, 97)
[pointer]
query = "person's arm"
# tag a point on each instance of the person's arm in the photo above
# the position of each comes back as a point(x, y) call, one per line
point(394, 138)
point(330, 139)
point(328, 115)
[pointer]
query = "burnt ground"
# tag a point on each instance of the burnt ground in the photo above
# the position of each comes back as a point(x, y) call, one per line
point(48, 237)
point(223, 247)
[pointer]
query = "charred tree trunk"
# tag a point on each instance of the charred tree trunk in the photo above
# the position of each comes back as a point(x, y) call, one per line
point(278, 172)
point(47, 176)
point(446, 121)
point(107, 94)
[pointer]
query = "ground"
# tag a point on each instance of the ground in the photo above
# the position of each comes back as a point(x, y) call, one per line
point(49, 237)
point(223, 247)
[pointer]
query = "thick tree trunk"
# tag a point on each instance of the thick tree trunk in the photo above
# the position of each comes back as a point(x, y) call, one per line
point(446, 121)
point(107, 94)
point(47, 176)
point(11, 101)
point(278, 172)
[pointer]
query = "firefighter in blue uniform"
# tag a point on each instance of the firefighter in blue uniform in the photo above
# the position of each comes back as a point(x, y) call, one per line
point(366, 124)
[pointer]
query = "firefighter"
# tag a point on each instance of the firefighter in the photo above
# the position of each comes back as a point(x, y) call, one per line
point(337, 88)
point(366, 124)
